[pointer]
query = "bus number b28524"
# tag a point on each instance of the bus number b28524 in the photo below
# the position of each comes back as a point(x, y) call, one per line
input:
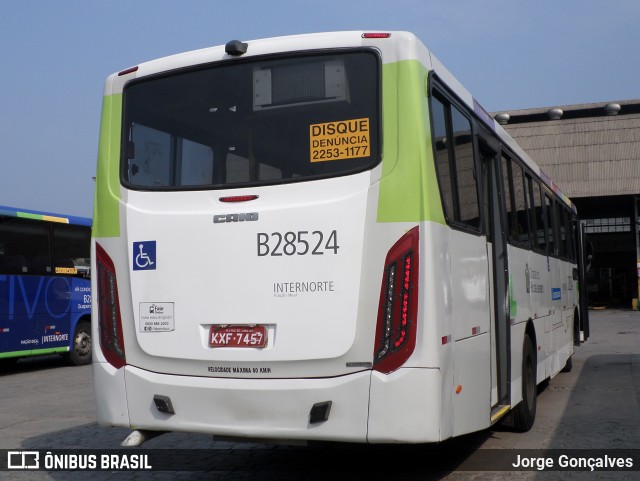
point(299, 243)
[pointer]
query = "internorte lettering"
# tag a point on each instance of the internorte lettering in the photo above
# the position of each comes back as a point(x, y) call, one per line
point(55, 338)
point(344, 139)
point(295, 287)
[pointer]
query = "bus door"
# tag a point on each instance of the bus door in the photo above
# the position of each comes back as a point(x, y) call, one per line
point(585, 255)
point(494, 221)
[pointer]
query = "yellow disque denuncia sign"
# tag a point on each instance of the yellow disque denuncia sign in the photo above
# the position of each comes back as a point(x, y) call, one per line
point(344, 139)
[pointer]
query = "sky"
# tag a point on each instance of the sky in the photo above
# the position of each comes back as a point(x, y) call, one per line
point(55, 57)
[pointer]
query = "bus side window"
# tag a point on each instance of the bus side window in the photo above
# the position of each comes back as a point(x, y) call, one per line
point(515, 201)
point(15, 264)
point(523, 228)
point(71, 255)
point(40, 265)
point(562, 234)
point(552, 238)
point(25, 245)
point(538, 217)
point(455, 163)
point(507, 187)
point(466, 182)
point(443, 164)
point(65, 267)
point(570, 234)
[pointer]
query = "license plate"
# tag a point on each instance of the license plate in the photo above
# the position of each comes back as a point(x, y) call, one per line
point(225, 335)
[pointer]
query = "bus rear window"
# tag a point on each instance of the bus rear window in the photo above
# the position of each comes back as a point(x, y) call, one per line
point(252, 122)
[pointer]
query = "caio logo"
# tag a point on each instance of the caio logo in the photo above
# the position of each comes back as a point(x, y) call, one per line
point(228, 218)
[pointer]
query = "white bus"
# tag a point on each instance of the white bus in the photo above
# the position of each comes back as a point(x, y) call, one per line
point(322, 237)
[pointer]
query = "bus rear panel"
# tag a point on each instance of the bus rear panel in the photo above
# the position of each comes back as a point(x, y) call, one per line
point(271, 255)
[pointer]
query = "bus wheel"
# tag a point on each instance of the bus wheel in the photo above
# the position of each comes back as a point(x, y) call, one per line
point(569, 365)
point(525, 412)
point(80, 355)
point(8, 362)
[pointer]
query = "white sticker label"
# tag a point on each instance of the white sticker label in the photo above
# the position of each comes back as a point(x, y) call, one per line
point(156, 317)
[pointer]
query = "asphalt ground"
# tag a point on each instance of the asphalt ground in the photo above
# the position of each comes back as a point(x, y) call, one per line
point(592, 411)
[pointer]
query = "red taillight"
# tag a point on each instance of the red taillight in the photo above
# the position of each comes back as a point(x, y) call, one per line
point(109, 320)
point(398, 308)
point(376, 35)
point(128, 71)
point(238, 198)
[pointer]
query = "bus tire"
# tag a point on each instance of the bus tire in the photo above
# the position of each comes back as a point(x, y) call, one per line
point(80, 354)
point(569, 365)
point(8, 362)
point(525, 412)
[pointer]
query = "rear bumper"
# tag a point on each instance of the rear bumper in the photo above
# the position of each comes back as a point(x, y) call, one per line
point(404, 407)
point(252, 408)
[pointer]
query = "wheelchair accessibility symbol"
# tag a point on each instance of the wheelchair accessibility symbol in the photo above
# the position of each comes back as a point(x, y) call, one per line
point(144, 256)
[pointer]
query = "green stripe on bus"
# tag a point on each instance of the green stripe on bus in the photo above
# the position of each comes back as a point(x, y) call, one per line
point(26, 215)
point(33, 352)
point(408, 188)
point(106, 221)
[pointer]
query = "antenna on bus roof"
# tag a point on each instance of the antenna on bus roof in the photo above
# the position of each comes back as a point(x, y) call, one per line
point(236, 47)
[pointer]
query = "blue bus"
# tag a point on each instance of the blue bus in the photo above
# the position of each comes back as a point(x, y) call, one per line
point(45, 286)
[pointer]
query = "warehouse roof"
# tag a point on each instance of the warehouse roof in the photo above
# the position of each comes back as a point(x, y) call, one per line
point(589, 150)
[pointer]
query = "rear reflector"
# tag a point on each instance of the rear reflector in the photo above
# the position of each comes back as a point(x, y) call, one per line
point(163, 404)
point(398, 306)
point(320, 412)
